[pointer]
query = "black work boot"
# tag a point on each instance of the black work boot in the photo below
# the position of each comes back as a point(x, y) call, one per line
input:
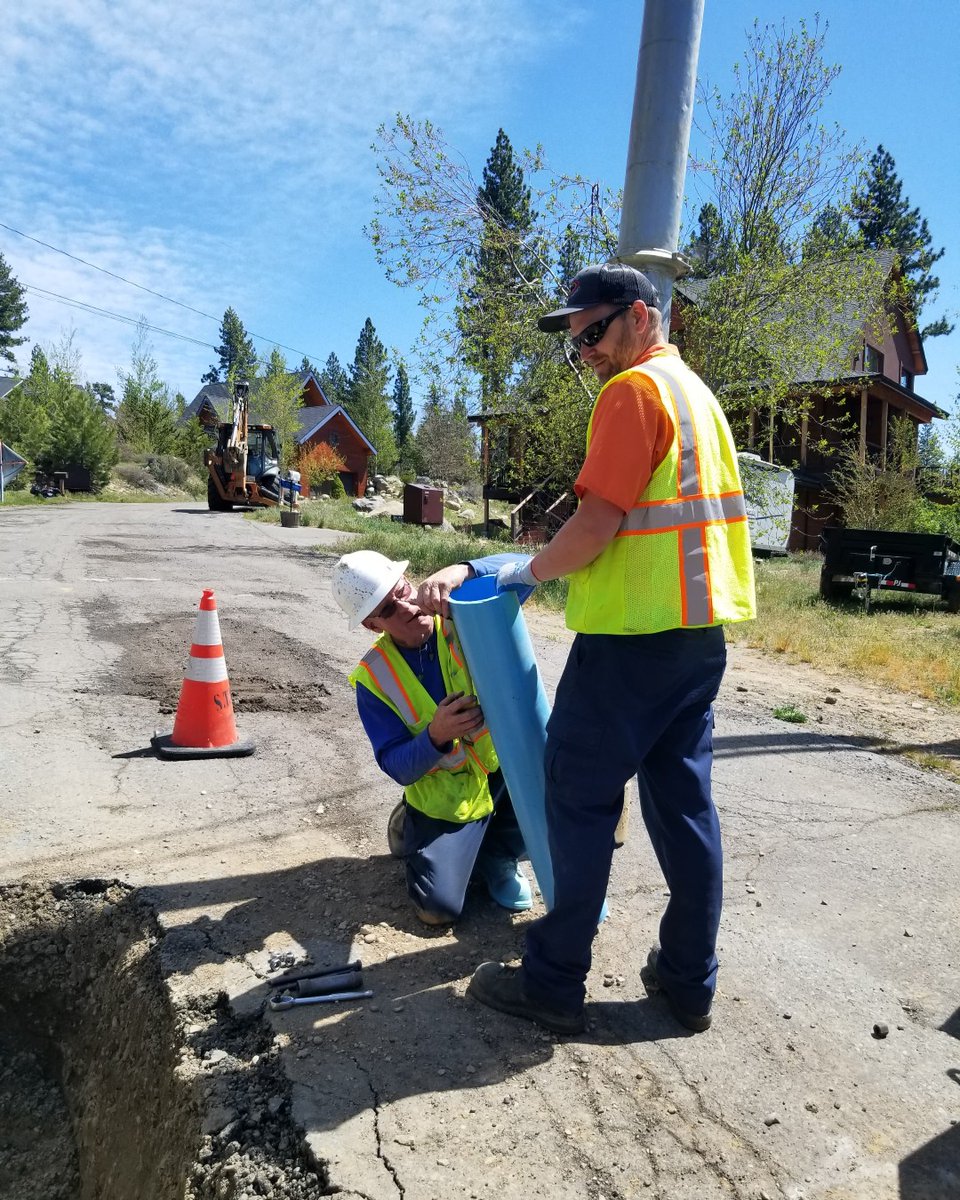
point(695, 1022)
point(501, 987)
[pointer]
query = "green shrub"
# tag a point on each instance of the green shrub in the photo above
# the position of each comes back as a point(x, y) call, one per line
point(136, 476)
point(938, 518)
point(337, 490)
point(195, 487)
point(168, 469)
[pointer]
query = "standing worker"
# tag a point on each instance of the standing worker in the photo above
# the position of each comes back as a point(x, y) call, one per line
point(415, 700)
point(658, 555)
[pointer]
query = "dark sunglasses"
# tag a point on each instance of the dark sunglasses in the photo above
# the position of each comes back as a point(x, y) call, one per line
point(594, 333)
point(389, 606)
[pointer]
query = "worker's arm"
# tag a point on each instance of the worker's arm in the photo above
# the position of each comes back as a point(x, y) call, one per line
point(580, 540)
point(434, 592)
point(401, 755)
point(632, 433)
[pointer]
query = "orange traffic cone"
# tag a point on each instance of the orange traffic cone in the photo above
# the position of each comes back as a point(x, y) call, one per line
point(204, 726)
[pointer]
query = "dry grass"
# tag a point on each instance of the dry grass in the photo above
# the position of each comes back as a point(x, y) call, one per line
point(910, 643)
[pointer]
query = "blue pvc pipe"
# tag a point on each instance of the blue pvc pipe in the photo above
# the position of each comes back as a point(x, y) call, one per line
point(500, 657)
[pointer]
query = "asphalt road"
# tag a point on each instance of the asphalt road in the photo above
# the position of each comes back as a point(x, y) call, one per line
point(843, 898)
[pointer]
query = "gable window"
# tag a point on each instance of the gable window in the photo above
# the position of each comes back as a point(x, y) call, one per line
point(872, 360)
point(906, 378)
point(334, 440)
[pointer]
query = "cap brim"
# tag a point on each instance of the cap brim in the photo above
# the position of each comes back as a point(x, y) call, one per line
point(556, 321)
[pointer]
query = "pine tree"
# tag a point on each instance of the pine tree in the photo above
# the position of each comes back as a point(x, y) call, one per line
point(886, 221)
point(334, 381)
point(570, 260)
point(829, 235)
point(25, 413)
point(367, 398)
point(60, 422)
point(238, 359)
point(500, 267)
point(79, 432)
point(104, 395)
point(146, 417)
point(445, 442)
point(709, 250)
point(13, 312)
point(403, 415)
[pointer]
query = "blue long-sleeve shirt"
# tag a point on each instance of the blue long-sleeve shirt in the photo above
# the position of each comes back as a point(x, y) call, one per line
point(401, 755)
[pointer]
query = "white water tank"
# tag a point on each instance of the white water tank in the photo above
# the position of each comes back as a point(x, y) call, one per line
point(768, 490)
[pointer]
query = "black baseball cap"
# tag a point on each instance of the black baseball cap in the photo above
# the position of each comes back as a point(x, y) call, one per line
point(608, 283)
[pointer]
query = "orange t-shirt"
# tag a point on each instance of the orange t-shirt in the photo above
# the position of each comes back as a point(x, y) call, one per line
point(631, 436)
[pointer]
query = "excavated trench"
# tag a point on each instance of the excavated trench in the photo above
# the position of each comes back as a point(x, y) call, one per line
point(110, 1089)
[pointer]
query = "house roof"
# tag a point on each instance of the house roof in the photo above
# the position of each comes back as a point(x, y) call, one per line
point(213, 395)
point(313, 419)
point(8, 383)
point(875, 381)
point(217, 397)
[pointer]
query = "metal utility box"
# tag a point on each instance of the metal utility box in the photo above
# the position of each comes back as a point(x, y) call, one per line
point(422, 505)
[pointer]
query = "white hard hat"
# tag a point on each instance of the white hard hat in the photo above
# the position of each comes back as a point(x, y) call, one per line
point(362, 579)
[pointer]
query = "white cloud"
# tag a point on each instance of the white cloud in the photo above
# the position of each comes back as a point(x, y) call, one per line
point(105, 344)
point(193, 148)
point(288, 82)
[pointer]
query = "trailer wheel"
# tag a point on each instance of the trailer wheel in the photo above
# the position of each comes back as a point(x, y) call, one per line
point(953, 599)
point(834, 591)
point(215, 502)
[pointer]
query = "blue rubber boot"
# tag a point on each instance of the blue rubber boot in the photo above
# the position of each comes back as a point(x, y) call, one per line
point(506, 883)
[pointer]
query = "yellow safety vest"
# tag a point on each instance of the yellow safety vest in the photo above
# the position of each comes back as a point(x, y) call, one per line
point(456, 788)
point(681, 558)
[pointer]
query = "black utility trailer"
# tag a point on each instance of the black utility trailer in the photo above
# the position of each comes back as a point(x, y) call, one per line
point(868, 559)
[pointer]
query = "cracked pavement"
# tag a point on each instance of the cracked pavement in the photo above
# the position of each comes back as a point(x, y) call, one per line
point(842, 895)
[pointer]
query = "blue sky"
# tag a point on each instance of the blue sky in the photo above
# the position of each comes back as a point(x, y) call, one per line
point(220, 154)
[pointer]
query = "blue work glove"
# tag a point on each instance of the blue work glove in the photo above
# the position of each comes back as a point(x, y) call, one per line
point(513, 576)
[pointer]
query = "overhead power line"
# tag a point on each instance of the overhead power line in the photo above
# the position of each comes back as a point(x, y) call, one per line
point(103, 270)
point(105, 312)
point(260, 337)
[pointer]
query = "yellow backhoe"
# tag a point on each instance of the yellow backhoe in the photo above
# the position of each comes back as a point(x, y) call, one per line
point(244, 466)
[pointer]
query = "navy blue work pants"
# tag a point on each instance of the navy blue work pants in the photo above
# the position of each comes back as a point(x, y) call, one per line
point(440, 856)
point(632, 705)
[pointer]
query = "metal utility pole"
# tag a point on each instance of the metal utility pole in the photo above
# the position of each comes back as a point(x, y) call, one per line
point(659, 140)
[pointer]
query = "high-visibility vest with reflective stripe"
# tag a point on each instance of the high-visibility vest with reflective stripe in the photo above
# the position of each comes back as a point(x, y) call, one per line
point(681, 557)
point(456, 788)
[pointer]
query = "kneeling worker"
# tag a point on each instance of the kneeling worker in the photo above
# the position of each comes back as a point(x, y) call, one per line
point(415, 700)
